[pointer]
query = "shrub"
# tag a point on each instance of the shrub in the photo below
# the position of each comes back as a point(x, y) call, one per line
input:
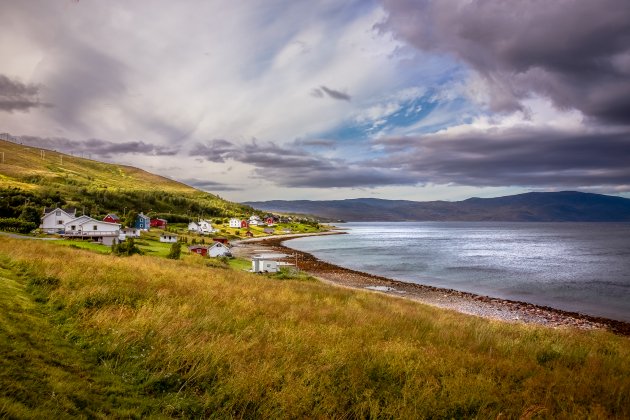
point(11, 224)
point(176, 251)
point(126, 248)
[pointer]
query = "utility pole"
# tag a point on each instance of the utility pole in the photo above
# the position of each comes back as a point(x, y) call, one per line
point(2, 157)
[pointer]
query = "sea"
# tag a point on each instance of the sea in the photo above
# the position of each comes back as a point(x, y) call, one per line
point(578, 267)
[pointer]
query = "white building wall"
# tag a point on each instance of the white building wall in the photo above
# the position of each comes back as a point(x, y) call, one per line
point(55, 221)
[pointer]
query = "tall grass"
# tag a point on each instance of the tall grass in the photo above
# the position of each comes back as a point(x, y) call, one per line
point(197, 341)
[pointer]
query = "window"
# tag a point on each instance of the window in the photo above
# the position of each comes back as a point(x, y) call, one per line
point(73, 227)
point(58, 213)
point(95, 227)
point(60, 222)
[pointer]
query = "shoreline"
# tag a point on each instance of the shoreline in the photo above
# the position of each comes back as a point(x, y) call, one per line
point(464, 302)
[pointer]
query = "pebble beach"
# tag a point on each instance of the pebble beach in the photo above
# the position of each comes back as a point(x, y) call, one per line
point(464, 302)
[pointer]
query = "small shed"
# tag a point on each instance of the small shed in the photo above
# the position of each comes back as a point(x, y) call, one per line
point(168, 238)
point(268, 263)
point(268, 230)
point(221, 240)
point(130, 232)
point(159, 223)
point(111, 218)
point(198, 249)
point(249, 234)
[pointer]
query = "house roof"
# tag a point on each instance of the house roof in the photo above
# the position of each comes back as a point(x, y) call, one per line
point(220, 245)
point(79, 220)
point(112, 215)
point(169, 234)
point(197, 247)
point(69, 210)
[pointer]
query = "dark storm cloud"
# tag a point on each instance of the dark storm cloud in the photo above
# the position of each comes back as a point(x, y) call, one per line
point(96, 147)
point(17, 96)
point(206, 185)
point(331, 93)
point(577, 53)
point(214, 151)
point(295, 167)
point(513, 158)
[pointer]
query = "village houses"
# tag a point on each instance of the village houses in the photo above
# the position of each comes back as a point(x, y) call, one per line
point(202, 226)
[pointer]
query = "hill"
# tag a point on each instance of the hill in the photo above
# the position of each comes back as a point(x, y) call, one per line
point(31, 178)
point(136, 338)
point(530, 207)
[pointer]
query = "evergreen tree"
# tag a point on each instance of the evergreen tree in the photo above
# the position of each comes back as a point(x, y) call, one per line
point(176, 251)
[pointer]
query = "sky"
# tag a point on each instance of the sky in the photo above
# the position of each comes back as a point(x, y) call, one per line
point(325, 99)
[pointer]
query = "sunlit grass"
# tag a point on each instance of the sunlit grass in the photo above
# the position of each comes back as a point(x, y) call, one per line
point(200, 341)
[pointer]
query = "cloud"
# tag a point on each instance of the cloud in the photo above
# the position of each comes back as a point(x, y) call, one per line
point(17, 96)
point(295, 167)
point(331, 93)
point(577, 53)
point(517, 156)
point(97, 147)
point(206, 185)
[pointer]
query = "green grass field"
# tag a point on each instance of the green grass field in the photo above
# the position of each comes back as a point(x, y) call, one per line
point(93, 335)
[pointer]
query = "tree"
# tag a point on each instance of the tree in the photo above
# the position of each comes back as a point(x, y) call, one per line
point(130, 219)
point(31, 214)
point(176, 251)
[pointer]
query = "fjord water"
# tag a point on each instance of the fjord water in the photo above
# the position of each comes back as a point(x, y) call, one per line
point(580, 267)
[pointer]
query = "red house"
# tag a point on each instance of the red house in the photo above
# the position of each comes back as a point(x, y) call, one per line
point(220, 240)
point(269, 221)
point(244, 224)
point(111, 218)
point(159, 223)
point(199, 249)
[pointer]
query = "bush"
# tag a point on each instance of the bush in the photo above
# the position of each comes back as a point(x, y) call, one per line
point(11, 224)
point(176, 251)
point(126, 248)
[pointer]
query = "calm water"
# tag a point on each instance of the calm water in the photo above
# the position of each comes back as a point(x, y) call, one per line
point(583, 267)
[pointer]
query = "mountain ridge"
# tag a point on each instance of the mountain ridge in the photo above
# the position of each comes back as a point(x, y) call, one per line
point(533, 206)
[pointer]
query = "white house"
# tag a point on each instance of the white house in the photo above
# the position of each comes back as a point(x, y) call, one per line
point(255, 221)
point(235, 223)
point(72, 226)
point(268, 263)
point(202, 226)
point(54, 219)
point(219, 250)
point(85, 226)
point(206, 227)
point(168, 238)
point(130, 232)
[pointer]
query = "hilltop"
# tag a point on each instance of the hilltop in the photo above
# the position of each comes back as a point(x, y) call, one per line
point(31, 178)
point(529, 207)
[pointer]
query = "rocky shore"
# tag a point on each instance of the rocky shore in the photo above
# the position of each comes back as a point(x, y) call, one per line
point(468, 303)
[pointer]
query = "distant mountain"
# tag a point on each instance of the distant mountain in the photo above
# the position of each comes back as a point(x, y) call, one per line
point(528, 207)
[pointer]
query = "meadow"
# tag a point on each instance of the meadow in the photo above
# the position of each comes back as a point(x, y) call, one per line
point(88, 334)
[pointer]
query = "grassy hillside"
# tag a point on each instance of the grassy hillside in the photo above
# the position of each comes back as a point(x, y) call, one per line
point(29, 177)
point(142, 336)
